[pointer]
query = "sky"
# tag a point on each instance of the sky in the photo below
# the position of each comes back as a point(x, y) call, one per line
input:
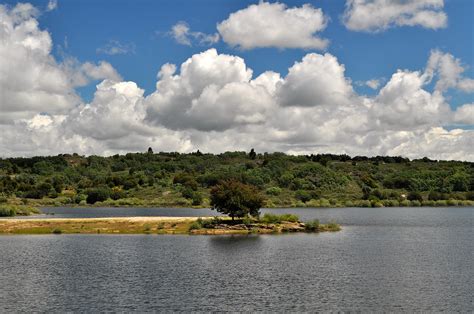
point(359, 77)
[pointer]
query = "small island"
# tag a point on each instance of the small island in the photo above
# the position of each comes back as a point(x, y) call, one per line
point(268, 224)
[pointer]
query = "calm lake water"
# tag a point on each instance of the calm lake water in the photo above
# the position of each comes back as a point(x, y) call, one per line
point(385, 259)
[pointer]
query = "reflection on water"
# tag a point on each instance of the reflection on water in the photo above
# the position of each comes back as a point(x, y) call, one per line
point(423, 262)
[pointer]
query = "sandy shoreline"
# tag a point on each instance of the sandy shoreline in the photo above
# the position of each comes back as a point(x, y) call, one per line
point(111, 219)
point(149, 225)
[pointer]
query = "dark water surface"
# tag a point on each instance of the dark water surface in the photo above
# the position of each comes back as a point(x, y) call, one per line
point(384, 259)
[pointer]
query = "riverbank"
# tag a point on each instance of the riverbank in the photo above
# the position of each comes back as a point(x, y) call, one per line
point(154, 203)
point(156, 225)
point(18, 210)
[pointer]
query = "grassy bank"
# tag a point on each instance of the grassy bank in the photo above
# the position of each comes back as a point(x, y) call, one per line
point(158, 225)
point(270, 203)
point(9, 210)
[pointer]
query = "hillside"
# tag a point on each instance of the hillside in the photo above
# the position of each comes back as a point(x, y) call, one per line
point(173, 179)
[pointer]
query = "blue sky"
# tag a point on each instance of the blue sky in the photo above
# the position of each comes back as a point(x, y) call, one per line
point(359, 77)
point(87, 25)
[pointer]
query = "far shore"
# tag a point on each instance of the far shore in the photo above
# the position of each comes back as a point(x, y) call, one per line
point(153, 225)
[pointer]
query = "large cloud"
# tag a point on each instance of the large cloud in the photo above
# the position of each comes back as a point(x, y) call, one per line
point(317, 80)
point(31, 81)
point(212, 92)
point(403, 103)
point(274, 25)
point(378, 15)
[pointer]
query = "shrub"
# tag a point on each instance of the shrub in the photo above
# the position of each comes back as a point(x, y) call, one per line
point(97, 195)
point(57, 231)
point(302, 195)
point(414, 196)
point(415, 203)
point(272, 218)
point(247, 221)
point(117, 193)
point(312, 226)
point(197, 199)
point(441, 203)
point(203, 223)
point(187, 193)
point(376, 204)
point(436, 196)
point(274, 190)
point(405, 203)
point(452, 203)
point(470, 196)
point(390, 203)
point(429, 203)
point(324, 203)
point(7, 211)
point(195, 225)
point(363, 203)
point(349, 204)
point(333, 226)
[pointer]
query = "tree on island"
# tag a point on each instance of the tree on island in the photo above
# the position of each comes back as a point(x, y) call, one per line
point(150, 150)
point(236, 199)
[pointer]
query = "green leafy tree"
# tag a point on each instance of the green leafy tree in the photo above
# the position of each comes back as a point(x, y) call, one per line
point(97, 195)
point(236, 199)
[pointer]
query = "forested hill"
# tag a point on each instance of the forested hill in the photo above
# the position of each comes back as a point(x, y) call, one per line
point(173, 179)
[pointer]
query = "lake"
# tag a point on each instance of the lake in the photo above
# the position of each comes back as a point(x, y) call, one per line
point(384, 259)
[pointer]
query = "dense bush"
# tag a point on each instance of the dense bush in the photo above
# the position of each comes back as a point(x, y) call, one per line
point(302, 195)
point(97, 195)
point(309, 180)
point(196, 199)
point(414, 196)
point(312, 226)
point(274, 218)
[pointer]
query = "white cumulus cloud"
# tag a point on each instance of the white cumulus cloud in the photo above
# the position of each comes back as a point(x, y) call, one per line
point(379, 15)
point(464, 114)
point(275, 25)
point(31, 80)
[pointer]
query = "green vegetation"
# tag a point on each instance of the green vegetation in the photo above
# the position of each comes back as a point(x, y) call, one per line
point(183, 180)
point(273, 218)
point(236, 199)
point(269, 223)
point(13, 210)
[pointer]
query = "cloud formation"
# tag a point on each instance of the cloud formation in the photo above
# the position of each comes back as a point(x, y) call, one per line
point(52, 5)
point(275, 25)
point(214, 102)
point(115, 47)
point(379, 15)
point(449, 71)
point(183, 35)
point(31, 80)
